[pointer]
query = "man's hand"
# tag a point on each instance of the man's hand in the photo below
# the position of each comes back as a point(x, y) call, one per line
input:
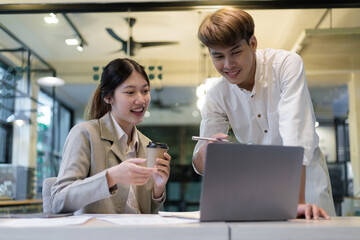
point(311, 210)
point(199, 157)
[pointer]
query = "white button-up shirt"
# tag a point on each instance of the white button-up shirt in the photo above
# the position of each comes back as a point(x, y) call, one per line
point(278, 111)
point(130, 151)
point(132, 205)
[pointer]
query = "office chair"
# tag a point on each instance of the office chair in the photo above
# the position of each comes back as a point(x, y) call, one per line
point(46, 193)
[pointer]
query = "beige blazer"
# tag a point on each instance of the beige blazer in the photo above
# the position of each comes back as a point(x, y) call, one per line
point(92, 147)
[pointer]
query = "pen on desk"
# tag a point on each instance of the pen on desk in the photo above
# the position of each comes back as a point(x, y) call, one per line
point(196, 138)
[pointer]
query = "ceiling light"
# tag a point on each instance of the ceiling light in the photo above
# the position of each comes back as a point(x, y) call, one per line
point(195, 113)
point(52, 19)
point(18, 119)
point(71, 41)
point(80, 48)
point(50, 81)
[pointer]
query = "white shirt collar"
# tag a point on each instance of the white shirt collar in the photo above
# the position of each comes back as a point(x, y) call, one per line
point(123, 137)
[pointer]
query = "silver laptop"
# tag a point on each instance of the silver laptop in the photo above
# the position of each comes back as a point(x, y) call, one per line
point(250, 182)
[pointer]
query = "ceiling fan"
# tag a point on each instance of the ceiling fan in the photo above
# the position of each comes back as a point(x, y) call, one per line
point(133, 45)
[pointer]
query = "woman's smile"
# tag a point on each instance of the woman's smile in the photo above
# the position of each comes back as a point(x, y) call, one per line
point(138, 111)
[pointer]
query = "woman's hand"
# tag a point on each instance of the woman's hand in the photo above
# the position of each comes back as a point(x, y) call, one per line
point(311, 210)
point(162, 175)
point(129, 172)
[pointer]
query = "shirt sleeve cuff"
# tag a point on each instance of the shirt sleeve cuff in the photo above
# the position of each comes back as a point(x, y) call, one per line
point(160, 199)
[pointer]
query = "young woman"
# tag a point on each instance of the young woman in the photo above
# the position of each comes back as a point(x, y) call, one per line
point(103, 168)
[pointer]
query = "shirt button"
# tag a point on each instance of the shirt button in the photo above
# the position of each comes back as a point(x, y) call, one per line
point(265, 131)
point(259, 115)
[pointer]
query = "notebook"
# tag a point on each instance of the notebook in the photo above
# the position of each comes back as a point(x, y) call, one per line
point(250, 182)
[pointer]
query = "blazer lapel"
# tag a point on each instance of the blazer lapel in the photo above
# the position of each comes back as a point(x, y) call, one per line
point(116, 149)
point(108, 132)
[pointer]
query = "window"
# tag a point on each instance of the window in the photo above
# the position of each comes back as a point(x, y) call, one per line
point(52, 131)
point(7, 104)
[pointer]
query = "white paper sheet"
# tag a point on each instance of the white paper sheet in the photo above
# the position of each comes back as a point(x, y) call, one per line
point(145, 219)
point(188, 215)
point(45, 222)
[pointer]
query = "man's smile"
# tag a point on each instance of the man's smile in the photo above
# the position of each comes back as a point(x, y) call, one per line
point(232, 74)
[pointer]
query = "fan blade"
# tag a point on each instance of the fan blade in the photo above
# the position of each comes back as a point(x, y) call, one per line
point(116, 51)
point(114, 35)
point(153, 44)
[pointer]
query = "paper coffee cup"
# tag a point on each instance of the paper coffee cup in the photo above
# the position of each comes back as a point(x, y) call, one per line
point(154, 150)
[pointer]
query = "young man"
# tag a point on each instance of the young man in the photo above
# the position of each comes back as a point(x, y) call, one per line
point(263, 95)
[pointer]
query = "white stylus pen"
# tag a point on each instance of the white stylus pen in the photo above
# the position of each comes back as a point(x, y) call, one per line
point(208, 139)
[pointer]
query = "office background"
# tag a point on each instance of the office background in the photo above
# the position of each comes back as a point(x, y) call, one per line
point(325, 35)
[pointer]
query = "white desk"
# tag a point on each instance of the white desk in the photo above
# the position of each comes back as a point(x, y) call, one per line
point(96, 229)
point(337, 228)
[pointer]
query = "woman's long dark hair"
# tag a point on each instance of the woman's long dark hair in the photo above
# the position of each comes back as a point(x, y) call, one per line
point(114, 74)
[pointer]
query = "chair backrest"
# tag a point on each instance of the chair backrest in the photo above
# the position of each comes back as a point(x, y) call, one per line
point(46, 193)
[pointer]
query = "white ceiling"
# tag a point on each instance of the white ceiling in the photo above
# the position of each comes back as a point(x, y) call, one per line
point(328, 59)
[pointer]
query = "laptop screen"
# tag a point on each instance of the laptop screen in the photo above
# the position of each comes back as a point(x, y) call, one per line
point(250, 182)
